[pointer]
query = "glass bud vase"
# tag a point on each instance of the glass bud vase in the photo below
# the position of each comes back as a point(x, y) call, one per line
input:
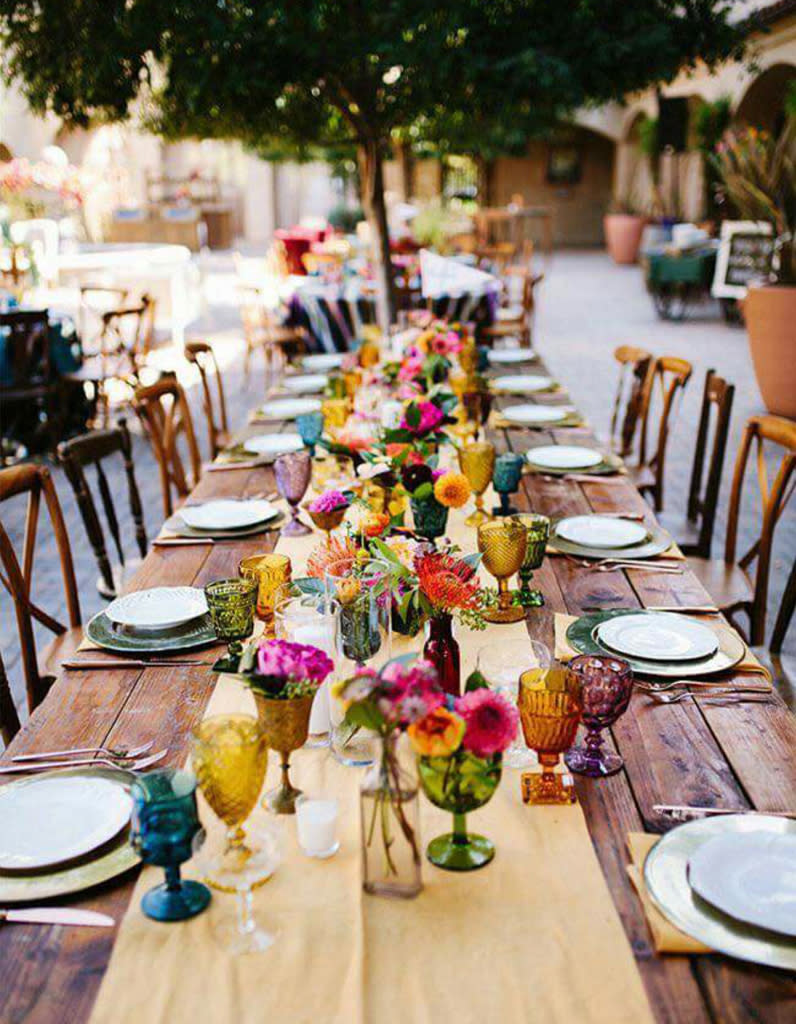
point(442, 650)
point(390, 822)
point(430, 518)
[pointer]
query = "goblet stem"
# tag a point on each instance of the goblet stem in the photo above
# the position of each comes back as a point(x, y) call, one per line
point(504, 594)
point(246, 922)
point(460, 830)
point(505, 507)
point(529, 598)
point(173, 878)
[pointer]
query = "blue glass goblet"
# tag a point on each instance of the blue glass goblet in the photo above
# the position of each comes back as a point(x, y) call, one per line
point(164, 829)
point(506, 479)
point(310, 428)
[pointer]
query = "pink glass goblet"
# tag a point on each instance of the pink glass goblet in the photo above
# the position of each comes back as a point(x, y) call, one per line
point(293, 471)
point(606, 683)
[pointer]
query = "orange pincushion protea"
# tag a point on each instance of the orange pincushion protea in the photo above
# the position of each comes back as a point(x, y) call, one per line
point(335, 551)
point(448, 583)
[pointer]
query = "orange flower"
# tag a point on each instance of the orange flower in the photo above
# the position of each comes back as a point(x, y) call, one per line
point(439, 734)
point(375, 523)
point(331, 552)
point(452, 490)
point(448, 583)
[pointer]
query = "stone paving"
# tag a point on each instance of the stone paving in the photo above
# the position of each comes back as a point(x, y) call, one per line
point(587, 307)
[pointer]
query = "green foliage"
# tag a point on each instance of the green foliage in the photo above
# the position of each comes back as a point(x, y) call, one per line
point(710, 122)
point(345, 218)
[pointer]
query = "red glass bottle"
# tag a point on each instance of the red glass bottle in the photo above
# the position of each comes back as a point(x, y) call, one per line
point(442, 650)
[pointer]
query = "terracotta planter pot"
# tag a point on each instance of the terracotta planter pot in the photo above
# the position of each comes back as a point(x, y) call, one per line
point(770, 314)
point(623, 236)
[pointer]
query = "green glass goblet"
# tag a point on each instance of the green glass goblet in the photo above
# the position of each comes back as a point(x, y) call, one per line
point(537, 529)
point(231, 605)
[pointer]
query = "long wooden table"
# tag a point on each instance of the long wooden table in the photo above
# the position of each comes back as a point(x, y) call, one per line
point(740, 756)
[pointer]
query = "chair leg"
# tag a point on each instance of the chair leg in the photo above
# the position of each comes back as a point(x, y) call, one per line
point(785, 613)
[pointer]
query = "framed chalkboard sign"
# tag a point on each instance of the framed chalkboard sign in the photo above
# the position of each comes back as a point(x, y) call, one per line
point(745, 254)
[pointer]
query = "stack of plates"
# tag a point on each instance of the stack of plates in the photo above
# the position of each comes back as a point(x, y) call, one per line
point(161, 619)
point(273, 445)
point(306, 383)
point(596, 536)
point(729, 881)
point(322, 362)
point(538, 415)
point(560, 459)
point(511, 356)
point(64, 831)
point(521, 384)
point(658, 644)
point(287, 408)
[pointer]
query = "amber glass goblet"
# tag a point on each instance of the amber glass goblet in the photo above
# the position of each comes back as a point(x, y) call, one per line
point(606, 683)
point(478, 405)
point(293, 471)
point(502, 543)
point(538, 530)
point(269, 572)
point(550, 704)
point(477, 461)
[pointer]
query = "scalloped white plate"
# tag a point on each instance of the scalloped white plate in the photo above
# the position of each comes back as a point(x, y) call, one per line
point(305, 383)
point(530, 415)
point(273, 444)
point(227, 514)
point(288, 408)
point(321, 361)
point(157, 608)
point(564, 456)
point(522, 383)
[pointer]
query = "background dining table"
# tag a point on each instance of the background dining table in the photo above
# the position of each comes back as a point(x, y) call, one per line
point(738, 756)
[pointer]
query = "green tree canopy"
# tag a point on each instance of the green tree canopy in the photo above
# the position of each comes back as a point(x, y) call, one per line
point(302, 76)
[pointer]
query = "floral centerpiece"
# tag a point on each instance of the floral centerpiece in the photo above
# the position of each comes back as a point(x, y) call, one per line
point(386, 704)
point(432, 492)
point(284, 678)
point(459, 750)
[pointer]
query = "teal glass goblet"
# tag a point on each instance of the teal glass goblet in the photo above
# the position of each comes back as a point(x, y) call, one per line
point(506, 480)
point(165, 830)
point(537, 528)
point(310, 428)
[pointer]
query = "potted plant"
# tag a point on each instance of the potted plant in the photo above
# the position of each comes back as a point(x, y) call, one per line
point(758, 176)
point(623, 227)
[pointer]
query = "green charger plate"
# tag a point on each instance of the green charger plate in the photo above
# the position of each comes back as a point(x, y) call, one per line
point(666, 878)
point(657, 542)
point(581, 636)
point(101, 865)
point(198, 633)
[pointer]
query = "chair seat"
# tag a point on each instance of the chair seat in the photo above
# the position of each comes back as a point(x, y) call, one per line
point(684, 531)
point(57, 650)
point(509, 313)
point(726, 583)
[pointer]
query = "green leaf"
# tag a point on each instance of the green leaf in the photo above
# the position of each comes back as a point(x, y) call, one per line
point(475, 681)
point(365, 715)
point(423, 492)
point(412, 415)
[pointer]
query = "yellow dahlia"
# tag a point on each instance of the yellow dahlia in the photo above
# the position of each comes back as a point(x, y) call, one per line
point(452, 490)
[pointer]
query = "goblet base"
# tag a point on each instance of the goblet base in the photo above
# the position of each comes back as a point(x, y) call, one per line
point(295, 528)
point(445, 853)
point(165, 904)
point(282, 800)
point(514, 613)
point(585, 762)
point(477, 517)
point(231, 938)
point(499, 511)
point(547, 788)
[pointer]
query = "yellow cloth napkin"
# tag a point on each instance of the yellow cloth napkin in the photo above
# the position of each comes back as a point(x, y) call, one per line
point(749, 665)
point(665, 936)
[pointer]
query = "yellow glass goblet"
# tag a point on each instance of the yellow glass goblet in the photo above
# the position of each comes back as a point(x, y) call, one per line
point(477, 462)
point(270, 571)
point(502, 543)
point(550, 705)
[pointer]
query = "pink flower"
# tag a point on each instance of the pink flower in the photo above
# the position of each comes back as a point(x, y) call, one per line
point(491, 722)
point(410, 368)
point(297, 662)
point(430, 418)
point(329, 501)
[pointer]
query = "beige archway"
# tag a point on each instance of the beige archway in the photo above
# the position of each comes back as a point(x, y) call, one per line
point(763, 103)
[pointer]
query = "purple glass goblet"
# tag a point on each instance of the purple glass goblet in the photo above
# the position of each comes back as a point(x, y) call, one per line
point(293, 471)
point(606, 684)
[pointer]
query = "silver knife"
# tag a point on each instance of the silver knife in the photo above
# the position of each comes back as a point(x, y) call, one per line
point(679, 812)
point(56, 915)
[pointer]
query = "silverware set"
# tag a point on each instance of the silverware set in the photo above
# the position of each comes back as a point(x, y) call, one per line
point(128, 760)
point(620, 564)
point(717, 695)
point(684, 812)
point(89, 665)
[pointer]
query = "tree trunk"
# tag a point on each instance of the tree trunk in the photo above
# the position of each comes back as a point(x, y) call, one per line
point(372, 183)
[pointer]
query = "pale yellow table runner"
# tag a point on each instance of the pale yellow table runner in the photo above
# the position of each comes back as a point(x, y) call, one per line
point(534, 936)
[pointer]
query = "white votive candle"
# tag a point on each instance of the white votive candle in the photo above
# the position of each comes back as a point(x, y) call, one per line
point(316, 824)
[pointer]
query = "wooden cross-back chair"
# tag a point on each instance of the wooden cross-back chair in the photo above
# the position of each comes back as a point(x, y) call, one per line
point(128, 331)
point(694, 530)
point(17, 575)
point(668, 380)
point(109, 297)
point(264, 333)
point(75, 456)
point(635, 370)
point(163, 410)
point(202, 356)
point(516, 320)
point(27, 396)
point(729, 581)
point(9, 719)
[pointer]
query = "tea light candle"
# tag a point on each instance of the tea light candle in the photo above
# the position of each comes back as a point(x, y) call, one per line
point(316, 825)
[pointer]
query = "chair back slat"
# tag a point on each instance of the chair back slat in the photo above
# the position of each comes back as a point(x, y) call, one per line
point(9, 719)
point(635, 370)
point(718, 395)
point(669, 378)
point(92, 449)
point(202, 356)
point(35, 481)
point(163, 410)
point(774, 498)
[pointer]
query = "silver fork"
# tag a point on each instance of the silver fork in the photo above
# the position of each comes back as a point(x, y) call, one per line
point(679, 683)
point(118, 753)
point(725, 696)
point(124, 765)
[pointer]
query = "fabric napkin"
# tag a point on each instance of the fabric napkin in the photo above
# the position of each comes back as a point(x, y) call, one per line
point(665, 936)
point(749, 665)
point(673, 551)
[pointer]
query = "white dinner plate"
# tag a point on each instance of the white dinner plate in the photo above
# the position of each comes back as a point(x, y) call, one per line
point(658, 636)
point(598, 531)
point(288, 408)
point(305, 383)
point(564, 456)
point(511, 356)
point(273, 444)
point(530, 415)
point(750, 876)
point(46, 821)
point(522, 383)
point(157, 607)
point(227, 514)
point(322, 361)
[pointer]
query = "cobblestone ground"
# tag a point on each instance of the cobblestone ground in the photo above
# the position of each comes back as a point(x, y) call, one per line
point(587, 307)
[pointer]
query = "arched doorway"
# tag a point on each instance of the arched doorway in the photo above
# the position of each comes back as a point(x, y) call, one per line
point(763, 103)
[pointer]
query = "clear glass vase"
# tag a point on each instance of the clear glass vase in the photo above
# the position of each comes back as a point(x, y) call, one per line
point(390, 821)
